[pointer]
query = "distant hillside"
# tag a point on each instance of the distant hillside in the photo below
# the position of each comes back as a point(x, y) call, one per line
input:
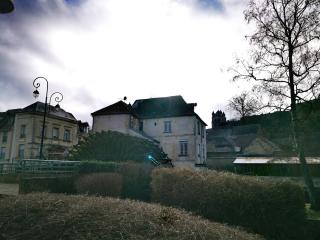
point(277, 126)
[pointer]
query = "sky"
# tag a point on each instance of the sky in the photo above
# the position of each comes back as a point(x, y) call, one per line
point(95, 52)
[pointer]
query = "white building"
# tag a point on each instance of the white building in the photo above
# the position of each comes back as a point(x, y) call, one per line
point(170, 121)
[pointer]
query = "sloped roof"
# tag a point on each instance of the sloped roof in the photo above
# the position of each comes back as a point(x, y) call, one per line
point(163, 107)
point(7, 118)
point(243, 140)
point(116, 108)
point(246, 137)
point(38, 107)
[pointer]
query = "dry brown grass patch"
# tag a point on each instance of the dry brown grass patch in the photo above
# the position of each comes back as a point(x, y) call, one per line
point(50, 216)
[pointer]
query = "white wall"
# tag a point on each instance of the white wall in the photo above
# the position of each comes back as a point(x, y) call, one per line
point(182, 129)
point(115, 122)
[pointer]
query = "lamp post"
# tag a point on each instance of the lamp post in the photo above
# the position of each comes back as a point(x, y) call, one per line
point(57, 99)
point(6, 6)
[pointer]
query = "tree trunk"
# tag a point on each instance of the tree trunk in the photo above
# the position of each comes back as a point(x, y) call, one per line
point(315, 202)
point(297, 139)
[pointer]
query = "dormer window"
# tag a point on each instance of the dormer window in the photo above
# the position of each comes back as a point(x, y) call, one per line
point(167, 127)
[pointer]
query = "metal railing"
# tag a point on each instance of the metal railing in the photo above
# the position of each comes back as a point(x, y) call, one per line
point(35, 166)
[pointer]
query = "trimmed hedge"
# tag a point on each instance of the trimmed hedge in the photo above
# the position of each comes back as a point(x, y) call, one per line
point(100, 184)
point(273, 209)
point(136, 176)
point(97, 166)
point(136, 181)
point(49, 184)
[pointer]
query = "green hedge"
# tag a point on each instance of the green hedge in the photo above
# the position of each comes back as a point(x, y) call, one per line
point(97, 166)
point(136, 181)
point(48, 184)
point(10, 178)
point(273, 209)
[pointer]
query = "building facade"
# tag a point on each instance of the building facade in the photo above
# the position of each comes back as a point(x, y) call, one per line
point(227, 142)
point(169, 121)
point(21, 130)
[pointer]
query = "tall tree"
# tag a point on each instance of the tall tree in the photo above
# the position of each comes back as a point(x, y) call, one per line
point(285, 61)
point(244, 104)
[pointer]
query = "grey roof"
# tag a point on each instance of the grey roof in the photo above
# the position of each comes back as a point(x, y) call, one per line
point(246, 137)
point(116, 108)
point(7, 118)
point(38, 107)
point(163, 107)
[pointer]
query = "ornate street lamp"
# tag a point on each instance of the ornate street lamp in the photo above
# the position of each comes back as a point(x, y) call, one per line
point(58, 98)
point(6, 6)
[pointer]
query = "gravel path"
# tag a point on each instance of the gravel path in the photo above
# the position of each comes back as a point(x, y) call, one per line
point(9, 189)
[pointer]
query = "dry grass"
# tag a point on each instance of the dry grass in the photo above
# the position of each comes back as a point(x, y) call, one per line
point(52, 216)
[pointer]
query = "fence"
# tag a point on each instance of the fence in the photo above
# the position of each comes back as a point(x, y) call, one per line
point(35, 166)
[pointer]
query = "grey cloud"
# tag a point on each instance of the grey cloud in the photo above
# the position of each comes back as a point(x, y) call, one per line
point(213, 6)
point(21, 38)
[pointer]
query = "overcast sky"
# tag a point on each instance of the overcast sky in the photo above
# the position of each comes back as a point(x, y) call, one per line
point(97, 51)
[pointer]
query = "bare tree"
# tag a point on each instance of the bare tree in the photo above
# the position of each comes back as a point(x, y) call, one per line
point(285, 61)
point(244, 104)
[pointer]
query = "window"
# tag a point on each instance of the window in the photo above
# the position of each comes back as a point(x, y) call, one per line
point(45, 131)
point(140, 126)
point(131, 122)
point(21, 151)
point(203, 153)
point(183, 148)
point(2, 153)
point(4, 137)
point(66, 136)
point(23, 131)
point(55, 133)
point(202, 131)
point(199, 150)
point(167, 127)
point(198, 127)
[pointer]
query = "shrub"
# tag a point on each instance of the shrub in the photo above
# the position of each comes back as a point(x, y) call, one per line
point(10, 178)
point(137, 179)
point(50, 216)
point(97, 166)
point(115, 146)
point(100, 184)
point(274, 209)
point(136, 176)
point(49, 184)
